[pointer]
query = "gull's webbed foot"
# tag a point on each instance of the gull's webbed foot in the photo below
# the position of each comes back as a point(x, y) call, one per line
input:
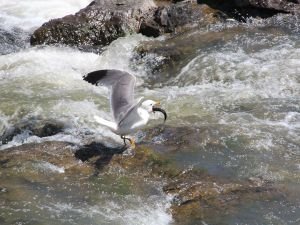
point(131, 141)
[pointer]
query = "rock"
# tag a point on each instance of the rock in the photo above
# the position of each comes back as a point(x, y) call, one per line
point(199, 196)
point(144, 162)
point(291, 6)
point(97, 154)
point(34, 126)
point(180, 17)
point(172, 139)
point(165, 59)
point(98, 24)
point(59, 154)
point(101, 22)
point(57, 166)
point(242, 9)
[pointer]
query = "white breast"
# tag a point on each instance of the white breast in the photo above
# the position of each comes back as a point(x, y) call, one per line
point(135, 120)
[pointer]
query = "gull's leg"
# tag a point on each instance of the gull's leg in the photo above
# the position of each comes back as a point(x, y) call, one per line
point(124, 139)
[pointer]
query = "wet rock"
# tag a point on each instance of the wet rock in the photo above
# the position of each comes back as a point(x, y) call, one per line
point(170, 139)
point(32, 126)
point(35, 163)
point(165, 59)
point(197, 194)
point(279, 5)
point(59, 153)
point(98, 24)
point(102, 22)
point(97, 154)
point(180, 17)
point(243, 9)
point(144, 162)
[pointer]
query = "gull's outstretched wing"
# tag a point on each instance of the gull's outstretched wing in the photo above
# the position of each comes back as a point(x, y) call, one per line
point(122, 90)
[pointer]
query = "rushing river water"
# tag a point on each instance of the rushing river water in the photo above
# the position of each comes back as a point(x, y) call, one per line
point(241, 93)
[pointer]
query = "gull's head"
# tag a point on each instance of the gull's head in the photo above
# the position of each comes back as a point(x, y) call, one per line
point(152, 107)
point(149, 104)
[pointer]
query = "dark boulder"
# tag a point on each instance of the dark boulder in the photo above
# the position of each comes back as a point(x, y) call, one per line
point(98, 24)
point(242, 9)
point(33, 126)
point(101, 22)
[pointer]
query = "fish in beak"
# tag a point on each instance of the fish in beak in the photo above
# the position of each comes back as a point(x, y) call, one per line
point(156, 108)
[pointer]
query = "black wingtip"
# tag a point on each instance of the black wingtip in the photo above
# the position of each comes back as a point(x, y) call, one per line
point(95, 76)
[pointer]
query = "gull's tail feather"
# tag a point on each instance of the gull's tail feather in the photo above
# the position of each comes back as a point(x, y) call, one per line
point(109, 124)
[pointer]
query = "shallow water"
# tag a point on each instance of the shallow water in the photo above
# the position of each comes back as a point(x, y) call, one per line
point(242, 94)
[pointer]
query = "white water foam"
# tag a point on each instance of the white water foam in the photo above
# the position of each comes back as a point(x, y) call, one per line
point(271, 73)
point(126, 210)
point(29, 14)
point(47, 82)
point(49, 167)
point(118, 55)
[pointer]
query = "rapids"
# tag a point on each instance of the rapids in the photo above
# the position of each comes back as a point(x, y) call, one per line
point(241, 94)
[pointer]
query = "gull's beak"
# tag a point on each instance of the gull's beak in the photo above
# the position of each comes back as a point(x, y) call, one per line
point(156, 108)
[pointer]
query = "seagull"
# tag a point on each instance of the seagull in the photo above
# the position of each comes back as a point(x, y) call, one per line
point(129, 114)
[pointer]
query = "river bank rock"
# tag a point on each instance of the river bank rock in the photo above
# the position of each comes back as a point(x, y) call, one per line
point(243, 9)
point(196, 193)
point(103, 21)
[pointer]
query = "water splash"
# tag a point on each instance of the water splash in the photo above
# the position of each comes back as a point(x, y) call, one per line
point(29, 14)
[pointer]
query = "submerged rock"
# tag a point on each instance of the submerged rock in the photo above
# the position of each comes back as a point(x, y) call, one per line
point(101, 22)
point(53, 156)
point(32, 126)
point(197, 194)
point(163, 60)
point(12, 40)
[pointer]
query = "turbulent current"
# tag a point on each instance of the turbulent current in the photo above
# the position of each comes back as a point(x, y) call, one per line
point(241, 93)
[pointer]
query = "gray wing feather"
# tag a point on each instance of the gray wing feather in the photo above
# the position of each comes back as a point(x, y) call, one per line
point(122, 90)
